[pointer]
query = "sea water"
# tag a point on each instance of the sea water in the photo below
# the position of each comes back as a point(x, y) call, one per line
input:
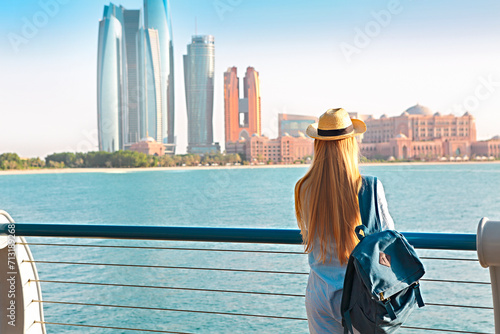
point(424, 198)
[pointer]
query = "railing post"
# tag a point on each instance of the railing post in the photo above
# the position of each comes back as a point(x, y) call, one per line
point(19, 285)
point(488, 251)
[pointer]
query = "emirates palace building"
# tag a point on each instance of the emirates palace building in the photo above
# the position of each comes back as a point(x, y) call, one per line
point(419, 133)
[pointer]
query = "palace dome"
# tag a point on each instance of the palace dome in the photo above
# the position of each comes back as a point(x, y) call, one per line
point(419, 110)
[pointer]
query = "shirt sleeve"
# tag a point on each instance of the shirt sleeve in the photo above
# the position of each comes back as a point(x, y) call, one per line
point(385, 216)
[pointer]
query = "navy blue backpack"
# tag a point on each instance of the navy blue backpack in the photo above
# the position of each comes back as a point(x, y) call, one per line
point(381, 286)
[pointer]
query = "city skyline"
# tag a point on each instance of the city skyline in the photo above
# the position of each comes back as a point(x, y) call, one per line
point(135, 84)
point(444, 56)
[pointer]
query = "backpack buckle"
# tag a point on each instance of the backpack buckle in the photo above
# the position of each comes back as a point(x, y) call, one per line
point(388, 306)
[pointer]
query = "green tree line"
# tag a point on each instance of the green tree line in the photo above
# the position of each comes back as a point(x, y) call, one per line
point(119, 159)
point(13, 161)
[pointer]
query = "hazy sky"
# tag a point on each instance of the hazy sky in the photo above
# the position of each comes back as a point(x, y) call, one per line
point(372, 57)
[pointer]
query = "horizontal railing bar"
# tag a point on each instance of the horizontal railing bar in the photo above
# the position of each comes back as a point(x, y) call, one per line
point(214, 269)
point(449, 241)
point(169, 267)
point(179, 233)
point(453, 281)
point(170, 288)
point(109, 327)
point(162, 248)
point(225, 291)
point(163, 331)
point(444, 330)
point(447, 258)
point(209, 250)
point(170, 309)
point(462, 306)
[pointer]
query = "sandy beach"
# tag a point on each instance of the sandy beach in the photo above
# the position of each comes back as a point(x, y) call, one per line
point(130, 170)
point(150, 169)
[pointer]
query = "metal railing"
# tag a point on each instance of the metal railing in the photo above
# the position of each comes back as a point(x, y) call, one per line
point(448, 241)
point(291, 318)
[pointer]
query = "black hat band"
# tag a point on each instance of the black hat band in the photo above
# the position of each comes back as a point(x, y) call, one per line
point(336, 132)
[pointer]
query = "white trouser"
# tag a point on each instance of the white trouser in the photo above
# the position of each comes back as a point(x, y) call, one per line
point(323, 307)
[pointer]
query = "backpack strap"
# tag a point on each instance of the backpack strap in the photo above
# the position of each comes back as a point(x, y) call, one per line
point(348, 324)
point(418, 295)
point(346, 296)
point(368, 208)
point(390, 309)
point(368, 205)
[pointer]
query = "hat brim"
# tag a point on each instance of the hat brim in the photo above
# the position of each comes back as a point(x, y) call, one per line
point(359, 127)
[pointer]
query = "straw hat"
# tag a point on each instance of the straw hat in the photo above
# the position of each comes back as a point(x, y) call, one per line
point(335, 124)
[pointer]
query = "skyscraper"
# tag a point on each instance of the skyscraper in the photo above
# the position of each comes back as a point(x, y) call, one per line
point(135, 76)
point(111, 86)
point(157, 17)
point(242, 115)
point(132, 24)
point(199, 65)
point(151, 84)
point(231, 108)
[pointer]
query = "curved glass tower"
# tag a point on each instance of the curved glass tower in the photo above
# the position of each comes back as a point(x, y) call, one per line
point(111, 88)
point(157, 17)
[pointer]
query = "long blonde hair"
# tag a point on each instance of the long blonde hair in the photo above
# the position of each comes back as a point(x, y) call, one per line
point(331, 186)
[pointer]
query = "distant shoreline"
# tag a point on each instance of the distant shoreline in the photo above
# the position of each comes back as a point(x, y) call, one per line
point(150, 169)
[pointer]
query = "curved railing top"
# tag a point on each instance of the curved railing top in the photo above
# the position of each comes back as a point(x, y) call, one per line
point(448, 241)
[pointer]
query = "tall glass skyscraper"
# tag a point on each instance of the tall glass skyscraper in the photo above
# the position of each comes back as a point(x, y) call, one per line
point(157, 17)
point(151, 83)
point(135, 76)
point(199, 63)
point(111, 86)
point(132, 24)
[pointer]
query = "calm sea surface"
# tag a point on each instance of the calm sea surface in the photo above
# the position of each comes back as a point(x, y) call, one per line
point(429, 198)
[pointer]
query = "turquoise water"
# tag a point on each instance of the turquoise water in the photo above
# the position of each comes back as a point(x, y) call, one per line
point(430, 198)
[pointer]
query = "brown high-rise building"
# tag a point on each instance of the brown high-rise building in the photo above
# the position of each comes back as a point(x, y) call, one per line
point(231, 100)
point(242, 116)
